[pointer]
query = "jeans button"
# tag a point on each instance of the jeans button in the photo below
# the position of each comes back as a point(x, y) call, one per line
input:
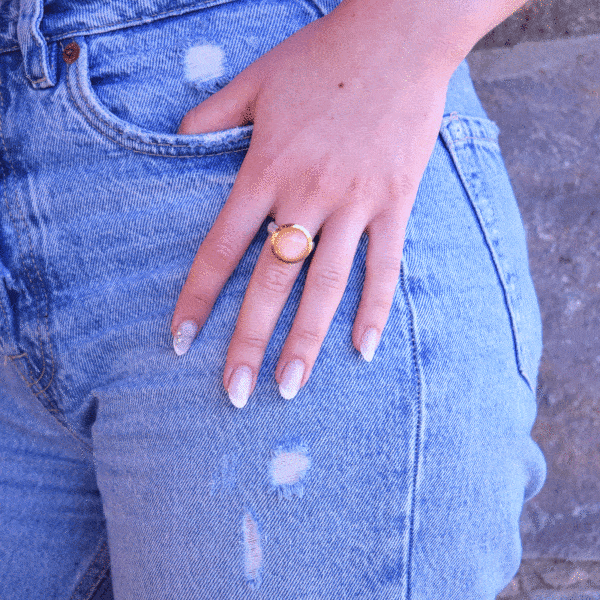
point(71, 53)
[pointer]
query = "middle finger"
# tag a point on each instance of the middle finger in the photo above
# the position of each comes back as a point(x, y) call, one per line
point(266, 296)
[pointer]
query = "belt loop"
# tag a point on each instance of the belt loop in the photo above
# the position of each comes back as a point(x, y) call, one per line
point(39, 63)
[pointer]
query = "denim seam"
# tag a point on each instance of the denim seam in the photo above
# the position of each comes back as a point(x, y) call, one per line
point(132, 139)
point(34, 287)
point(48, 405)
point(455, 116)
point(487, 139)
point(498, 267)
point(146, 19)
point(125, 24)
point(417, 443)
point(154, 153)
point(28, 380)
point(104, 121)
point(103, 546)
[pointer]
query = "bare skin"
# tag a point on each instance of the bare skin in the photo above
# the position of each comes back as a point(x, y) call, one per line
point(346, 113)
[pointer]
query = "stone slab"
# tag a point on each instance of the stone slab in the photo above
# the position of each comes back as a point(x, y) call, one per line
point(563, 595)
point(553, 579)
point(545, 97)
point(543, 20)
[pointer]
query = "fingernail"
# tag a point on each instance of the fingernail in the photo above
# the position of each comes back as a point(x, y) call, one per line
point(368, 344)
point(291, 379)
point(239, 386)
point(184, 337)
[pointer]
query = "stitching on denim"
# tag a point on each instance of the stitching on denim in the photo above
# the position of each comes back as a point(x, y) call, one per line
point(496, 262)
point(49, 408)
point(417, 453)
point(124, 24)
point(53, 411)
point(91, 108)
point(148, 153)
point(31, 369)
point(34, 287)
point(144, 143)
point(501, 271)
point(142, 20)
point(487, 139)
point(104, 567)
point(455, 116)
point(119, 132)
point(18, 236)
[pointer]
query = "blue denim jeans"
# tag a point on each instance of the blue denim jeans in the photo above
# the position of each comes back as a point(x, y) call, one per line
point(403, 478)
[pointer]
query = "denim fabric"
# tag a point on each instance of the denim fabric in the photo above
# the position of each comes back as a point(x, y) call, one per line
point(403, 478)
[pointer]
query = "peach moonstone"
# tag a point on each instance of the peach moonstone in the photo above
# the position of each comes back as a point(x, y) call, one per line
point(291, 245)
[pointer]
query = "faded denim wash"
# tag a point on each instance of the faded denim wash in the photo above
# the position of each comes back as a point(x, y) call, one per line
point(403, 478)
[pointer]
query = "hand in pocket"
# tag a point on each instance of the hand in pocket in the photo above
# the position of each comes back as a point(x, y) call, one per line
point(345, 117)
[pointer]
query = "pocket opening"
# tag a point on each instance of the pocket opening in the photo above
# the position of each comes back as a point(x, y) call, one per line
point(138, 139)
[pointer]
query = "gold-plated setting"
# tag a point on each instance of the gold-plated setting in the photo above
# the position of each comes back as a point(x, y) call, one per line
point(287, 234)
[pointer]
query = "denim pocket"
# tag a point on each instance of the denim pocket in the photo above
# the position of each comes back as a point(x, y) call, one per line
point(140, 139)
point(473, 145)
point(134, 85)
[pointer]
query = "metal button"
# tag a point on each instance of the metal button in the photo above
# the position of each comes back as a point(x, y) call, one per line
point(71, 53)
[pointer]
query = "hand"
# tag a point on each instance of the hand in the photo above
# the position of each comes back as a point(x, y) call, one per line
point(345, 119)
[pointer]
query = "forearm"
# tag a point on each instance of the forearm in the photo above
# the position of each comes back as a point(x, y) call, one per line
point(445, 29)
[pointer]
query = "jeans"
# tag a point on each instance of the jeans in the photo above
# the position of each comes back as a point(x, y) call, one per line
point(403, 478)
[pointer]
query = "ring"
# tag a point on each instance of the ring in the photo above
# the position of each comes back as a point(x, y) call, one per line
point(287, 244)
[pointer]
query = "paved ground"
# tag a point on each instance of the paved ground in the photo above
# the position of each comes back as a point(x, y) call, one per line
point(538, 76)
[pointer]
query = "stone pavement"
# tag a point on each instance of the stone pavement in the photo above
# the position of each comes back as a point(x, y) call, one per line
point(545, 97)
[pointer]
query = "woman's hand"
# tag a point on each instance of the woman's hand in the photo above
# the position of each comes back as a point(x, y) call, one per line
point(346, 113)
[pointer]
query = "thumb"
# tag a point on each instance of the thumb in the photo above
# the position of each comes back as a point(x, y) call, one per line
point(231, 106)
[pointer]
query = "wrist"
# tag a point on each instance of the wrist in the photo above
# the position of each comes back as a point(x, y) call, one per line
point(441, 32)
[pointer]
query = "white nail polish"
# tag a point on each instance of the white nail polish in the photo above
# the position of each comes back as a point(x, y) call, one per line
point(368, 344)
point(184, 337)
point(239, 386)
point(291, 379)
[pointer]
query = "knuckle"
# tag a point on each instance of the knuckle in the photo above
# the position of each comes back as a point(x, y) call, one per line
point(381, 305)
point(224, 253)
point(403, 185)
point(275, 280)
point(329, 278)
point(252, 340)
point(308, 337)
point(200, 302)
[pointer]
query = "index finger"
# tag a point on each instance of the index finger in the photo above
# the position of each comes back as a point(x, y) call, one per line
point(219, 254)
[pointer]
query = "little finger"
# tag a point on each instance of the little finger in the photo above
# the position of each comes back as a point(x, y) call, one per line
point(382, 271)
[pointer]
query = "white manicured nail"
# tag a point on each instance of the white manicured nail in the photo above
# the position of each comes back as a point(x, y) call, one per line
point(239, 386)
point(368, 344)
point(184, 337)
point(291, 379)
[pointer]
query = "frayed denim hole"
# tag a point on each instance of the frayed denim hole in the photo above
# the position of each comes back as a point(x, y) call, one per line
point(253, 553)
point(289, 465)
